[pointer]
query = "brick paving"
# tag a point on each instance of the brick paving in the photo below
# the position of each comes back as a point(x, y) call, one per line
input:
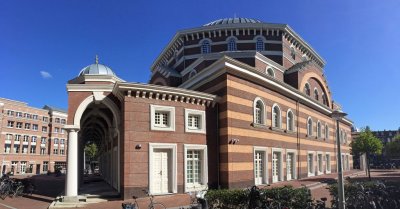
point(48, 187)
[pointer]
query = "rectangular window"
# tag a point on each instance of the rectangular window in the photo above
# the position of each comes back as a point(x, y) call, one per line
point(17, 138)
point(16, 148)
point(43, 151)
point(35, 127)
point(44, 129)
point(27, 126)
point(57, 120)
point(162, 118)
point(10, 124)
point(195, 167)
point(23, 167)
point(56, 130)
point(195, 121)
point(19, 125)
point(7, 148)
point(62, 152)
point(56, 141)
point(24, 149)
point(276, 166)
point(55, 151)
point(63, 121)
point(320, 163)
point(61, 141)
point(33, 139)
point(10, 113)
point(260, 165)
point(45, 119)
point(34, 117)
point(310, 164)
point(18, 114)
point(9, 137)
point(291, 164)
point(26, 138)
point(193, 172)
point(33, 149)
point(28, 116)
point(328, 163)
point(43, 140)
point(45, 166)
point(62, 131)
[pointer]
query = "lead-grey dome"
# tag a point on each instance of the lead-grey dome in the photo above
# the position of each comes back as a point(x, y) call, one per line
point(232, 21)
point(96, 69)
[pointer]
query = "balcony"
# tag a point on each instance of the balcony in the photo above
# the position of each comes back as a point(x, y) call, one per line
point(42, 145)
point(17, 142)
point(7, 141)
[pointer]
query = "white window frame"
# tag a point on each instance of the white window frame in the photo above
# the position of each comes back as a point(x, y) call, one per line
point(229, 46)
point(309, 132)
point(319, 130)
point(173, 149)
point(204, 167)
point(326, 130)
point(202, 122)
point(288, 122)
point(322, 164)
point(280, 176)
point(207, 48)
point(260, 40)
point(294, 174)
point(328, 166)
point(256, 100)
point(171, 119)
point(265, 164)
point(279, 117)
point(313, 164)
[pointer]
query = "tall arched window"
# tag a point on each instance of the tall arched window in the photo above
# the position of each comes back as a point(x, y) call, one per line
point(259, 44)
point(309, 127)
point(232, 44)
point(307, 89)
point(270, 72)
point(259, 111)
point(326, 132)
point(290, 121)
point(324, 100)
point(276, 116)
point(316, 96)
point(319, 131)
point(205, 47)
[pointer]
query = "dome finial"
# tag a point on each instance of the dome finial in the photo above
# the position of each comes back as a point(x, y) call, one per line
point(97, 59)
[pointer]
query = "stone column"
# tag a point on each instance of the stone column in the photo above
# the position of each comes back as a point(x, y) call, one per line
point(71, 180)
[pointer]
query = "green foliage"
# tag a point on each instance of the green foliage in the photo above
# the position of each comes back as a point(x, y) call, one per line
point(366, 143)
point(91, 151)
point(234, 199)
point(393, 148)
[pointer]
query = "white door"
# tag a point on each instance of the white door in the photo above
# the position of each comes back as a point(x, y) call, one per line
point(275, 167)
point(258, 167)
point(160, 171)
point(289, 166)
point(23, 167)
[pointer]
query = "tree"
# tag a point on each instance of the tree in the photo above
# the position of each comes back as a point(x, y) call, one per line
point(393, 147)
point(91, 152)
point(366, 143)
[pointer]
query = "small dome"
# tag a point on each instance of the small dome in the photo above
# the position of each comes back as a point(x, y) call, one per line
point(235, 20)
point(96, 69)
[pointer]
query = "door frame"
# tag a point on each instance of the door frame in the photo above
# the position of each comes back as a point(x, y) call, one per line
point(265, 164)
point(172, 179)
point(294, 163)
point(280, 164)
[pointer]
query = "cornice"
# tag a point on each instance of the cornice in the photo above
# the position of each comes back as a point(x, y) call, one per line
point(90, 87)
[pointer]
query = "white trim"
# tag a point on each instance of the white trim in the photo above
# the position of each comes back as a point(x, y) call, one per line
point(330, 163)
point(326, 132)
point(173, 177)
point(280, 164)
point(322, 163)
point(263, 112)
point(294, 163)
point(287, 120)
point(310, 132)
point(204, 167)
point(202, 121)
point(319, 130)
point(313, 164)
point(279, 117)
point(171, 118)
point(265, 164)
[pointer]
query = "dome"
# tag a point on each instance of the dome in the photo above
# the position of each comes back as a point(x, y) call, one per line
point(96, 69)
point(236, 20)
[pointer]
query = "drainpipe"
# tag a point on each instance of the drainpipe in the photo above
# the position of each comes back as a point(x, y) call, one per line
point(298, 140)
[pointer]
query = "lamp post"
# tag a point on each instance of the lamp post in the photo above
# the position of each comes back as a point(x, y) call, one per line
point(338, 115)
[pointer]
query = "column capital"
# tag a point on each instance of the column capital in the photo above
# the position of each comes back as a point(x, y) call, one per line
point(72, 128)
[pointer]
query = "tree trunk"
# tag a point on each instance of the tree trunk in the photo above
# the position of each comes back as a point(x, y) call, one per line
point(368, 168)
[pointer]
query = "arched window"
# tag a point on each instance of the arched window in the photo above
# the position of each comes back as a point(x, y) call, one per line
point(316, 96)
point(259, 111)
point(307, 89)
point(232, 44)
point(290, 120)
point(276, 116)
point(309, 127)
point(326, 132)
point(319, 131)
point(324, 100)
point(205, 47)
point(292, 53)
point(341, 136)
point(259, 44)
point(270, 72)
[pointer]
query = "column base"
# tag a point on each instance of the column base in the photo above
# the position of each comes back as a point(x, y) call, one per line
point(69, 202)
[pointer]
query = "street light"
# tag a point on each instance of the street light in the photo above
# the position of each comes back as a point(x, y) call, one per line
point(338, 115)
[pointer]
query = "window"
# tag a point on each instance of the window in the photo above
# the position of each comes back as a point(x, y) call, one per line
point(56, 130)
point(270, 72)
point(10, 124)
point(62, 131)
point(18, 114)
point(276, 165)
point(27, 116)
point(205, 47)
point(319, 131)
point(195, 121)
point(44, 129)
point(320, 163)
point(7, 148)
point(34, 117)
point(324, 99)
point(9, 137)
point(63, 121)
point(45, 119)
point(62, 141)
point(43, 151)
point(35, 127)
point(17, 138)
point(326, 132)
point(23, 167)
point(291, 164)
point(276, 116)
point(316, 96)
point(232, 44)
point(33, 149)
point(16, 148)
point(328, 163)
point(25, 149)
point(55, 151)
point(196, 174)
point(259, 44)
point(290, 120)
point(56, 141)
point(260, 165)
point(307, 89)
point(19, 125)
point(162, 118)
point(310, 163)
point(27, 126)
point(309, 127)
point(45, 166)
point(57, 120)
point(10, 113)
point(33, 139)
point(62, 152)
point(43, 140)
point(26, 138)
point(259, 113)
point(292, 53)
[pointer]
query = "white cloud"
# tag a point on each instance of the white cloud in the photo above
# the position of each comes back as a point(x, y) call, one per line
point(45, 74)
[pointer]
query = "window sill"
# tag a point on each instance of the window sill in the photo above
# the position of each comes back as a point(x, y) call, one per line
point(290, 132)
point(259, 125)
point(277, 129)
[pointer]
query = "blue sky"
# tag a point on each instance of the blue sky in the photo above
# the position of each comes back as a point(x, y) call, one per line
point(43, 44)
